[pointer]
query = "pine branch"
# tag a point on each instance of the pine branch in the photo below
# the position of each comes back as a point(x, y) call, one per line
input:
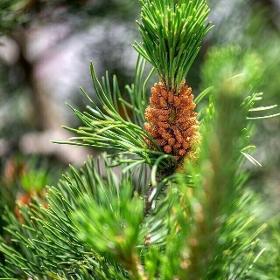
point(108, 226)
point(110, 126)
point(222, 219)
point(46, 243)
point(198, 223)
point(172, 33)
point(89, 225)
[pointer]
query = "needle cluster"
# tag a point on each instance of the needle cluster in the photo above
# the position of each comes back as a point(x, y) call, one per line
point(172, 33)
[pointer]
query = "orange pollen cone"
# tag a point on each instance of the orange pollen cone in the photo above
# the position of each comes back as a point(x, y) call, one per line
point(171, 120)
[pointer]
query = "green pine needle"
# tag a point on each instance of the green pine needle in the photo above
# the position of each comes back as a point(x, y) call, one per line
point(172, 33)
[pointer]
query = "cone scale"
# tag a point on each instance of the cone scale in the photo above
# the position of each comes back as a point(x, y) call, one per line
point(171, 120)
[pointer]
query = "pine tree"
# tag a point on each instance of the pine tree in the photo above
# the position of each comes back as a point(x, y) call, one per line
point(181, 208)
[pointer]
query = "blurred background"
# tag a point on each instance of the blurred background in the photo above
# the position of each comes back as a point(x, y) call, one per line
point(45, 51)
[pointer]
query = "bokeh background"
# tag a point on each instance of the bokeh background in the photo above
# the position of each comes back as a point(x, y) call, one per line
point(45, 50)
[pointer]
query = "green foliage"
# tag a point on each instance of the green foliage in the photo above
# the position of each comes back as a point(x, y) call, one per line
point(11, 14)
point(111, 214)
point(268, 267)
point(46, 243)
point(223, 62)
point(20, 179)
point(172, 32)
point(109, 226)
point(237, 73)
point(196, 222)
point(223, 235)
point(34, 180)
point(115, 122)
point(199, 223)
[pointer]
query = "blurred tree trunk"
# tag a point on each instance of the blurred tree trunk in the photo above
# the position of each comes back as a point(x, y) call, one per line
point(44, 115)
point(46, 118)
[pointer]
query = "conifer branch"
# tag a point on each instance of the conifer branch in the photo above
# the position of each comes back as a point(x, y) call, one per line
point(197, 223)
point(219, 193)
point(47, 240)
point(92, 223)
point(115, 125)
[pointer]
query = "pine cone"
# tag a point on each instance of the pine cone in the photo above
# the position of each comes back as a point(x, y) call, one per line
point(171, 120)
